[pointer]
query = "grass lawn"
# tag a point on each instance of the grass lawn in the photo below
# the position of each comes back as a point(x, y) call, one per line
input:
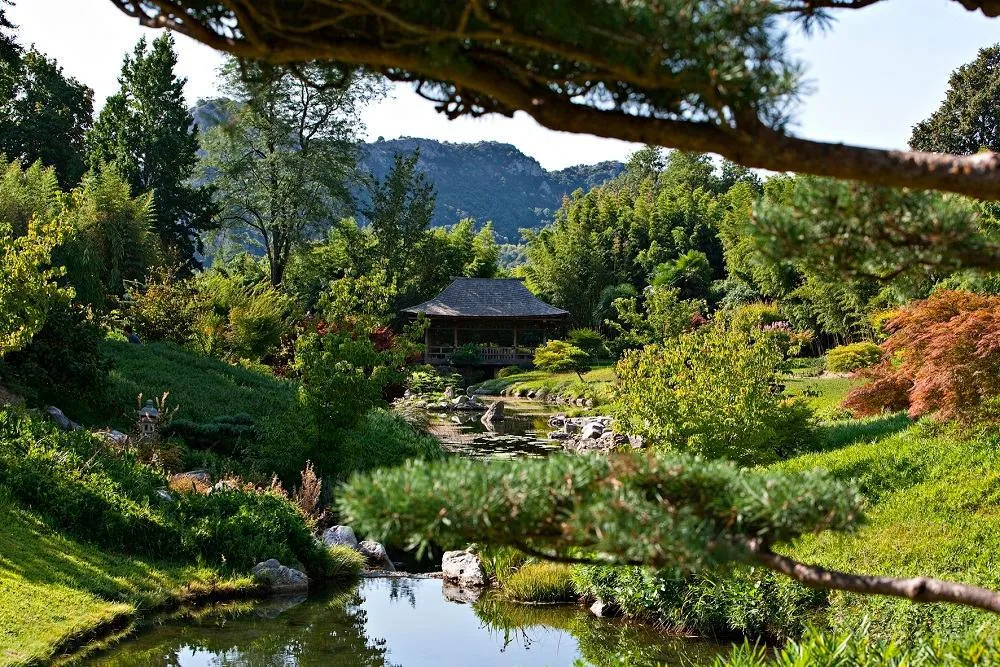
point(934, 509)
point(596, 383)
point(55, 592)
point(823, 394)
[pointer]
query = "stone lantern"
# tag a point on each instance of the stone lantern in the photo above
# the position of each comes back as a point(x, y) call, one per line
point(149, 416)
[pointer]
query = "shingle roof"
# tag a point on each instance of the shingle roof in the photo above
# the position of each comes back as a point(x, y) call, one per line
point(486, 297)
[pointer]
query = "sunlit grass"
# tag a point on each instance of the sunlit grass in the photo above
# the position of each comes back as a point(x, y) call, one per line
point(54, 591)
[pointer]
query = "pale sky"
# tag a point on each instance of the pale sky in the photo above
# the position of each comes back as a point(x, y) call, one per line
point(875, 74)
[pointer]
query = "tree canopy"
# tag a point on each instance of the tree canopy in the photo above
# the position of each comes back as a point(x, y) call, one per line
point(145, 129)
point(698, 76)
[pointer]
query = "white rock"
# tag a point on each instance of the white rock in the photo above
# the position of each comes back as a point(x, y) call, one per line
point(464, 568)
point(340, 535)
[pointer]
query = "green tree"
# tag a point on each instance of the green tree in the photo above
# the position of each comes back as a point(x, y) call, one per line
point(282, 161)
point(110, 238)
point(557, 356)
point(44, 115)
point(968, 120)
point(399, 211)
point(146, 130)
point(31, 226)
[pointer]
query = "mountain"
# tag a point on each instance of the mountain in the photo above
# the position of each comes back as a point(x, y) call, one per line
point(489, 181)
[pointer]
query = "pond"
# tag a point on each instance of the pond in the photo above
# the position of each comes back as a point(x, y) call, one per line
point(522, 433)
point(412, 620)
point(406, 622)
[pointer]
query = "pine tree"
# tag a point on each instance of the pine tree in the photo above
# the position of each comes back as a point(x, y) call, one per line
point(147, 131)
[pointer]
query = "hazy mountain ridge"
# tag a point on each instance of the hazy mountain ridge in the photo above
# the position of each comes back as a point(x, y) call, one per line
point(487, 180)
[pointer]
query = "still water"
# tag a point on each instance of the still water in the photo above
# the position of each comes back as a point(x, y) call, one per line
point(523, 433)
point(407, 622)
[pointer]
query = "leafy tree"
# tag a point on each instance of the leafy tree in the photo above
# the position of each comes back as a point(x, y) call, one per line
point(146, 130)
point(711, 392)
point(44, 115)
point(28, 283)
point(282, 160)
point(399, 211)
point(942, 358)
point(664, 315)
point(711, 78)
point(558, 355)
point(968, 120)
point(666, 510)
point(111, 239)
point(10, 50)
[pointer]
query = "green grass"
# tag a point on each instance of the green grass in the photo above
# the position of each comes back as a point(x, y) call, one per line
point(596, 383)
point(345, 562)
point(55, 592)
point(934, 509)
point(203, 388)
point(823, 394)
point(541, 582)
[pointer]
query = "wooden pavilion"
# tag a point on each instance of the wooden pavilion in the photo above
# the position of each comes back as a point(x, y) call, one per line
point(499, 315)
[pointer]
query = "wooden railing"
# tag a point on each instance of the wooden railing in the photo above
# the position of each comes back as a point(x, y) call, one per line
point(488, 356)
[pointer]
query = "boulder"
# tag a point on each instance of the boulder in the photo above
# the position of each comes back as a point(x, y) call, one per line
point(115, 437)
point(604, 609)
point(164, 495)
point(449, 392)
point(494, 413)
point(463, 568)
point(376, 555)
point(557, 421)
point(589, 403)
point(194, 481)
point(592, 430)
point(559, 435)
point(64, 422)
point(340, 535)
point(279, 578)
point(636, 441)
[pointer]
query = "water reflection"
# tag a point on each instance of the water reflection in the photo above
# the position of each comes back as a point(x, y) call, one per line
point(405, 622)
point(523, 433)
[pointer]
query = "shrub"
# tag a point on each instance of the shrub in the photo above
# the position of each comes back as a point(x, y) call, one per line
point(164, 308)
point(343, 375)
point(80, 485)
point(541, 582)
point(849, 358)
point(739, 602)
point(427, 380)
point(344, 563)
point(225, 434)
point(63, 364)
point(558, 355)
point(508, 371)
point(589, 341)
point(942, 358)
point(381, 439)
point(711, 392)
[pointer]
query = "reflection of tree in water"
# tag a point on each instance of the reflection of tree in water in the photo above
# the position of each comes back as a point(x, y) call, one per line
point(601, 641)
point(400, 589)
point(328, 630)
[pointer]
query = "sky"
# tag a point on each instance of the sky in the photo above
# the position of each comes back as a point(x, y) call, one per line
point(875, 74)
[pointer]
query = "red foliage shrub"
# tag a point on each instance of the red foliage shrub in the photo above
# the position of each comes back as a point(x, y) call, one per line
point(942, 358)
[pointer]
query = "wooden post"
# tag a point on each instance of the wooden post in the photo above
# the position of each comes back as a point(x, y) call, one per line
point(427, 343)
point(455, 330)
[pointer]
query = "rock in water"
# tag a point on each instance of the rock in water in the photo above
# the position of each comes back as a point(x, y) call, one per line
point(604, 609)
point(464, 568)
point(340, 535)
point(64, 422)
point(494, 413)
point(280, 579)
point(376, 555)
point(592, 431)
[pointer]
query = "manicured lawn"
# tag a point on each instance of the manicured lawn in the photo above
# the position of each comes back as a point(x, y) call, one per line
point(596, 383)
point(824, 394)
point(54, 591)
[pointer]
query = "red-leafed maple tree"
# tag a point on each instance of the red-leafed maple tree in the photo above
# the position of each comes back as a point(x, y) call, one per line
point(943, 358)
